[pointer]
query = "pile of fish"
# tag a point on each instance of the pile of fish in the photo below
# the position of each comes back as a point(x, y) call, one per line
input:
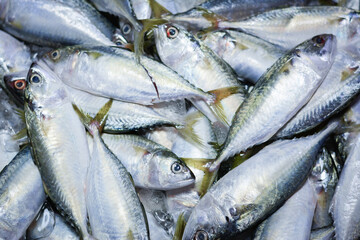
point(193, 120)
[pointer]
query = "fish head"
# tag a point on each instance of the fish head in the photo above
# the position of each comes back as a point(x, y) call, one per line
point(318, 52)
point(63, 59)
point(43, 87)
point(174, 44)
point(208, 220)
point(172, 172)
point(127, 31)
point(15, 84)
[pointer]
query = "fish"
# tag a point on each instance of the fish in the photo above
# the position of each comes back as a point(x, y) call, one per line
point(242, 198)
point(21, 195)
point(161, 169)
point(59, 143)
point(209, 14)
point(339, 88)
point(287, 27)
point(346, 201)
point(50, 23)
point(142, 9)
point(325, 179)
point(279, 94)
point(249, 56)
point(15, 56)
point(186, 55)
point(114, 209)
point(326, 233)
point(283, 225)
point(151, 82)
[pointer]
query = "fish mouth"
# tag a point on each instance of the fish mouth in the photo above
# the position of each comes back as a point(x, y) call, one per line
point(179, 184)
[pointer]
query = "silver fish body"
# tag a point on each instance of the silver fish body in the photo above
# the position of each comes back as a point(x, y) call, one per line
point(149, 164)
point(141, 9)
point(96, 70)
point(279, 94)
point(249, 56)
point(21, 195)
point(114, 209)
point(186, 55)
point(123, 116)
point(290, 26)
point(326, 233)
point(59, 142)
point(340, 86)
point(283, 225)
point(65, 25)
point(346, 202)
point(242, 198)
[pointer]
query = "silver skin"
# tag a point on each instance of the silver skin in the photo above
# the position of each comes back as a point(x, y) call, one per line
point(241, 198)
point(290, 26)
point(150, 165)
point(51, 226)
point(120, 8)
point(141, 8)
point(49, 23)
point(340, 86)
point(346, 202)
point(249, 56)
point(59, 143)
point(325, 175)
point(279, 94)
point(93, 14)
point(178, 6)
point(96, 70)
point(14, 55)
point(210, 13)
point(198, 64)
point(21, 195)
point(326, 233)
point(115, 211)
point(283, 224)
point(122, 116)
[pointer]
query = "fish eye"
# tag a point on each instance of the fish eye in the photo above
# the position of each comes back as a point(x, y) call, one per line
point(172, 32)
point(20, 84)
point(126, 28)
point(319, 40)
point(176, 167)
point(201, 235)
point(55, 54)
point(35, 78)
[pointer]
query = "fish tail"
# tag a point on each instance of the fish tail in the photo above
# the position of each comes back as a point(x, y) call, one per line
point(97, 123)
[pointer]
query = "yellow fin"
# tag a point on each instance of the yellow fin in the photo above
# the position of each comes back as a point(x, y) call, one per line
point(98, 121)
point(148, 24)
point(180, 227)
point(21, 134)
point(158, 10)
point(188, 132)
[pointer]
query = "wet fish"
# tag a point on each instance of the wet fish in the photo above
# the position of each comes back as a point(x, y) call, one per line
point(279, 94)
point(14, 55)
point(186, 55)
point(242, 198)
point(21, 195)
point(59, 142)
point(249, 56)
point(325, 175)
point(151, 81)
point(114, 209)
point(290, 26)
point(50, 23)
point(339, 88)
point(211, 13)
point(160, 168)
point(326, 233)
point(346, 200)
point(283, 225)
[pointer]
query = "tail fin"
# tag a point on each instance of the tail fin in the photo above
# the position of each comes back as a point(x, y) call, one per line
point(180, 227)
point(97, 123)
